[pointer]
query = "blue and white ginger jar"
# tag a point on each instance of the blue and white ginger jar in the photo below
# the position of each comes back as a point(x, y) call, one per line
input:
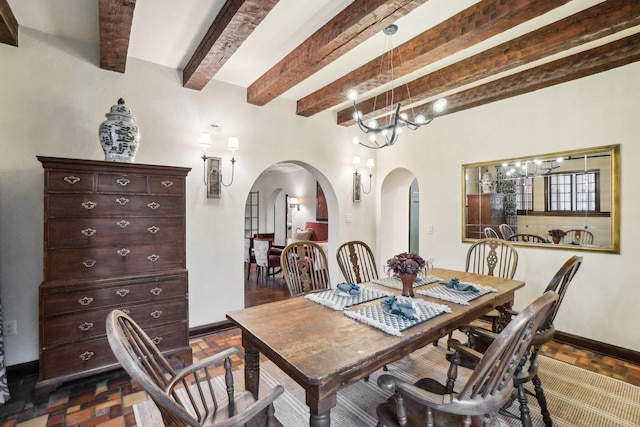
point(119, 134)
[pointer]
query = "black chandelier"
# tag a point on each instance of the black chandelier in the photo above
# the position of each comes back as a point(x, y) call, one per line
point(393, 124)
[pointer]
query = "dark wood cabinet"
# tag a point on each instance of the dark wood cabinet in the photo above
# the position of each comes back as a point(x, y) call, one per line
point(484, 210)
point(114, 237)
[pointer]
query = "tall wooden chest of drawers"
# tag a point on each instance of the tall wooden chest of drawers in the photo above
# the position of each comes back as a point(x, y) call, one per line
point(114, 237)
point(484, 210)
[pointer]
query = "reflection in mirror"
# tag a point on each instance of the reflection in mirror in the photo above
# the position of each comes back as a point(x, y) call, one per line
point(564, 200)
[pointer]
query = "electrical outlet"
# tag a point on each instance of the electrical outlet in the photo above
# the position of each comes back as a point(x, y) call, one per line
point(11, 327)
point(348, 218)
point(429, 228)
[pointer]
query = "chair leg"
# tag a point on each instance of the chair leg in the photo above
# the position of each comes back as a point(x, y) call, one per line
point(525, 413)
point(542, 401)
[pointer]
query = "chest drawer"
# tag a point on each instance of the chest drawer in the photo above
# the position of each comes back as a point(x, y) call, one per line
point(91, 324)
point(70, 182)
point(173, 185)
point(90, 299)
point(121, 183)
point(75, 264)
point(70, 359)
point(86, 232)
point(96, 205)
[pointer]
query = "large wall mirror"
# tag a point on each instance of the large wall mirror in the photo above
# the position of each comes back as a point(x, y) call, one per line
point(567, 200)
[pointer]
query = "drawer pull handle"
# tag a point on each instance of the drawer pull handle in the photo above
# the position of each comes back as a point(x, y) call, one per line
point(122, 201)
point(122, 292)
point(125, 311)
point(123, 181)
point(156, 291)
point(87, 355)
point(89, 263)
point(123, 223)
point(156, 314)
point(156, 340)
point(85, 301)
point(153, 258)
point(89, 205)
point(71, 179)
point(86, 326)
point(167, 183)
point(123, 252)
point(153, 205)
point(153, 229)
point(88, 232)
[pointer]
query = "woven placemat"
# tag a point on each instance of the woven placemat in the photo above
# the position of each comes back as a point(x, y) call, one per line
point(395, 282)
point(337, 301)
point(393, 324)
point(459, 297)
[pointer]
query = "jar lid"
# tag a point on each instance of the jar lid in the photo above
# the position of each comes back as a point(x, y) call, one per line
point(120, 110)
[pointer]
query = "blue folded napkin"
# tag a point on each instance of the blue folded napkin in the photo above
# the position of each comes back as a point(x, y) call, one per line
point(456, 285)
point(405, 310)
point(349, 288)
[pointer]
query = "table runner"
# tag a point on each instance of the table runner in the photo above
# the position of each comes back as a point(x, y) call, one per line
point(396, 283)
point(339, 302)
point(376, 316)
point(459, 297)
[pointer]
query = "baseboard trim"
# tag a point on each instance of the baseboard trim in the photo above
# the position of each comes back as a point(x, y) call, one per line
point(598, 346)
point(210, 328)
point(24, 370)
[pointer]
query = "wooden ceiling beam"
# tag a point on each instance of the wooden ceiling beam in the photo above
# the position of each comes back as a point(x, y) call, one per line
point(356, 23)
point(591, 24)
point(234, 23)
point(603, 58)
point(116, 18)
point(8, 25)
point(465, 29)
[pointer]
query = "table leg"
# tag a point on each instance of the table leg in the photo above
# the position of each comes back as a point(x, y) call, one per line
point(251, 368)
point(320, 410)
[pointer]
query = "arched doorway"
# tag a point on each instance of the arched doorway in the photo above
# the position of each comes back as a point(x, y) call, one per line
point(398, 214)
point(275, 186)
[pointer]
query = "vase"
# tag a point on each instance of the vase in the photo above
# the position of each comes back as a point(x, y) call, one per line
point(407, 284)
point(119, 134)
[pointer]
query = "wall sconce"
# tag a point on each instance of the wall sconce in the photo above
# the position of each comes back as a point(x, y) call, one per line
point(294, 203)
point(212, 165)
point(358, 188)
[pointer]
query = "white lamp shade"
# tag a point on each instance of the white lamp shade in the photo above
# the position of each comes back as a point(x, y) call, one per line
point(205, 140)
point(293, 201)
point(356, 161)
point(233, 143)
point(370, 163)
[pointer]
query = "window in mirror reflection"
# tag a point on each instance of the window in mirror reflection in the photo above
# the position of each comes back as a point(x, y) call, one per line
point(561, 198)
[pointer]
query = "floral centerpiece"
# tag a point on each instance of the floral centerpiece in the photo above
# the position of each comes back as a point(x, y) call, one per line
point(407, 266)
point(406, 263)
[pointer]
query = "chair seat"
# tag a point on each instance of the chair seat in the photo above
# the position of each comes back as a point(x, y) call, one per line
point(417, 414)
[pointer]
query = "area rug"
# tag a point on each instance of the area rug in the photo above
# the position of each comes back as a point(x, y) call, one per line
point(576, 397)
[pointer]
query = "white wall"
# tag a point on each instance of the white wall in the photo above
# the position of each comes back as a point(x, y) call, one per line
point(601, 303)
point(55, 96)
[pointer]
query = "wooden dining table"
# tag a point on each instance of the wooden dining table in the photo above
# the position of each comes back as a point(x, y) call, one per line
point(325, 351)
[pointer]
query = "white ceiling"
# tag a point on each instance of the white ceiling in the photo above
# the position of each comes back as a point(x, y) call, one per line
point(167, 32)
